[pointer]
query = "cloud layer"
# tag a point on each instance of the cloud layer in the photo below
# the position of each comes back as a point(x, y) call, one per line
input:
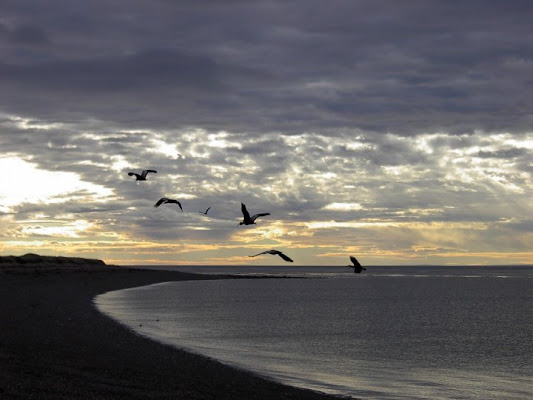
point(398, 131)
point(272, 66)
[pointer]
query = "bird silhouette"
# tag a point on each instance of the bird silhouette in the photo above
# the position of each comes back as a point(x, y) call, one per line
point(357, 268)
point(142, 176)
point(166, 200)
point(274, 252)
point(205, 212)
point(247, 220)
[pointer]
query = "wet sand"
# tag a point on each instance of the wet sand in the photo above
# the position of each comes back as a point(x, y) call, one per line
point(54, 344)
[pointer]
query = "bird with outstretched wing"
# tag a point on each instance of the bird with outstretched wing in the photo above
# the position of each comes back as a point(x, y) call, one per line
point(166, 200)
point(274, 252)
point(247, 220)
point(142, 175)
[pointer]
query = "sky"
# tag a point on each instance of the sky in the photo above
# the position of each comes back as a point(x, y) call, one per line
point(397, 132)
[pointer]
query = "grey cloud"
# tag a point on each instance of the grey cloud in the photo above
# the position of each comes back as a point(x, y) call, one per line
point(392, 151)
point(524, 225)
point(25, 36)
point(154, 69)
point(503, 153)
point(277, 66)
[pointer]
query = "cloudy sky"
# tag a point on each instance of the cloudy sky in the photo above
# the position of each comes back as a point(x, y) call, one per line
point(398, 132)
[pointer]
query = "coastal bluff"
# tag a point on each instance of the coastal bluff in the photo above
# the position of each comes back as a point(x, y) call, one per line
point(33, 262)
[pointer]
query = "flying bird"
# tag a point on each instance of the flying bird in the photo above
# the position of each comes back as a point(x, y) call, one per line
point(142, 176)
point(205, 212)
point(274, 252)
point(247, 220)
point(166, 200)
point(357, 268)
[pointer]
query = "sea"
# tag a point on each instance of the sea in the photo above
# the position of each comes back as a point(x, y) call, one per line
point(409, 332)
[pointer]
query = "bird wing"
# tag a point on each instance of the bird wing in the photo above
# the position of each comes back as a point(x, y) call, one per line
point(160, 201)
point(245, 212)
point(355, 262)
point(255, 216)
point(258, 254)
point(179, 204)
point(145, 172)
point(208, 208)
point(286, 258)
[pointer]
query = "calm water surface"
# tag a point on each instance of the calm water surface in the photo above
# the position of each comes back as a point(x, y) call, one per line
point(390, 333)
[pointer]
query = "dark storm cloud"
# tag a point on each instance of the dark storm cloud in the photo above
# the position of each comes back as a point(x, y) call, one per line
point(25, 35)
point(155, 69)
point(272, 66)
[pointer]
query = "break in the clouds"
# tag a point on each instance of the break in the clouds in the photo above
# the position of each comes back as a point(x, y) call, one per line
point(400, 131)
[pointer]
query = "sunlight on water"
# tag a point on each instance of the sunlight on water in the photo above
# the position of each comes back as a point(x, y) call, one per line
point(384, 335)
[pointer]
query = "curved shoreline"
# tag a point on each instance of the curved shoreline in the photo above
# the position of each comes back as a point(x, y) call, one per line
point(54, 343)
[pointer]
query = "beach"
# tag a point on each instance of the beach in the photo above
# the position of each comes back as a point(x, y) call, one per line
point(54, 344)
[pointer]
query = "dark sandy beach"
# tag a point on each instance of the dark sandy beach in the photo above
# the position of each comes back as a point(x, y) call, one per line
point(54, 344)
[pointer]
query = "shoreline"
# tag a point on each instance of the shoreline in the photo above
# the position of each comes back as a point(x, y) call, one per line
point(55, 344)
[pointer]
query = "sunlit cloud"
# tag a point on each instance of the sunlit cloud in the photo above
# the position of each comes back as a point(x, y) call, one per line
point(343, 206)
point(27, 124)
point(220, 140)
point(26, 183)
point(348, 224)
point(406, 212)
point(119, 163)
point(159, 146)
point(70, 229)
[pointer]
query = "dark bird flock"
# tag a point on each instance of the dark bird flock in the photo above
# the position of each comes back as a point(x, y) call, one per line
point(247, 220)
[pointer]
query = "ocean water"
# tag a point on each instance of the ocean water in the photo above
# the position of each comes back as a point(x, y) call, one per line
point(388, 333)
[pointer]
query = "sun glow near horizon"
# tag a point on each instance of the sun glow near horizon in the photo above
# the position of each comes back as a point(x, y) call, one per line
point(24, 182)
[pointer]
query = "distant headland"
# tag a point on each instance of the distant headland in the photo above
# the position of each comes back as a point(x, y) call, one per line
point(36, 261)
